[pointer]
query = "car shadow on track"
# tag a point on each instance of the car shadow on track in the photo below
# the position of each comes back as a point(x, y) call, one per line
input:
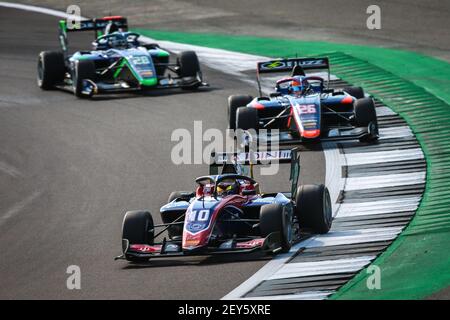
point(140, 94)
point(199, 260)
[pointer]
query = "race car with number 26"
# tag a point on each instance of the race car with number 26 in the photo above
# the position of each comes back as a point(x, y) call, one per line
point(303, 108)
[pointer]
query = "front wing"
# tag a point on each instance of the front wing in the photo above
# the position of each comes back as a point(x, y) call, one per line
point(271, 243)
point(91, 88)
point(337, 134)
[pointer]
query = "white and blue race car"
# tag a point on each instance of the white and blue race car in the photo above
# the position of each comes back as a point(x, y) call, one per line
point(118, 62)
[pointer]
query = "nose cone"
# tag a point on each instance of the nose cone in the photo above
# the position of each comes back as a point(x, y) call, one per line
point(194, 242)
point(198, 223)
point(311, 134)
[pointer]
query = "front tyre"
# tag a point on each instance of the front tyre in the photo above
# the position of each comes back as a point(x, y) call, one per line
point(138, 228)
point(84, 70)
point(235, 102)
point(313, 208)
point(366, 116)
point(247, 118)
point(50, 69)
point(189, 65)
point(276, 218)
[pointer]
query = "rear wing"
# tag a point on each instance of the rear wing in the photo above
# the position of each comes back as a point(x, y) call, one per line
point(286, 65)
point(99, 26)
point(238, 163)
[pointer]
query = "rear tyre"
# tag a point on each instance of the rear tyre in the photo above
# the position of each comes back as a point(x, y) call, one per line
point(137, 228)
point(356, 92)
point(50, 69)
point(247, 118)
point(366, 116)
point(84, 69)
point(313, 208)
point(274, 218)
point(235, 102)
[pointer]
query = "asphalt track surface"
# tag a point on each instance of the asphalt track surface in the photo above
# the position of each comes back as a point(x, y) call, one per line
point(70, 168)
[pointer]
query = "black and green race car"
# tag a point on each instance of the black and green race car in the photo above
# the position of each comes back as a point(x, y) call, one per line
point(119, 62)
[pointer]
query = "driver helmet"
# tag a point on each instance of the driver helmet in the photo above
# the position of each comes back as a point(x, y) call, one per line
point(227, 187)
point(118, 41)
point(297, 85)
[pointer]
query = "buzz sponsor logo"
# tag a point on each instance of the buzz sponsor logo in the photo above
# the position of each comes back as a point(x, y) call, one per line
point(289, 64)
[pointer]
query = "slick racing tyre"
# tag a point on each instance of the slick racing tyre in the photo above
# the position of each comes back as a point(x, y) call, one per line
point(274, 218)
point(247, 118)
point(313, 208)
point(137, 228)
point(356, 92)
point(84, 69)
point(189, 65)
point(235, 102)
point(50, 69)
point(366, 116)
